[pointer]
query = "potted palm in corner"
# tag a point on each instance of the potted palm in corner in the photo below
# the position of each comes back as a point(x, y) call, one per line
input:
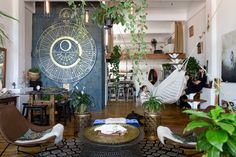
point(81, 102)
point(217, 137)
point(152, 117)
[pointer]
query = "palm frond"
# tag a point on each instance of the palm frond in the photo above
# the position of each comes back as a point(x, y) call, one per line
point(2, 14)
point(2, 36)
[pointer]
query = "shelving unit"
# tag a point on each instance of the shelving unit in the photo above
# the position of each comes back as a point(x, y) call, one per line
point(153, 56)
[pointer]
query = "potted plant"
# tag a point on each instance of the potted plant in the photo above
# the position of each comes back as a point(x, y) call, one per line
point(114, 12)
point(167, 68)
point(152, 116)
point(192, 66)
point(218, 135)
point(80, 102)
point(34, 74)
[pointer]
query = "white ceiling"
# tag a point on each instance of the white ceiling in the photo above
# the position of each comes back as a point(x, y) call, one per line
point(161, 17)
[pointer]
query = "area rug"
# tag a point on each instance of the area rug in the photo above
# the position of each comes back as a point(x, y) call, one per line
point(73, 147)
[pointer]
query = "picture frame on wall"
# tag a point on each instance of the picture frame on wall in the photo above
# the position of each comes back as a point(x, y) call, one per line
point(229, 57)
point(191, 31)
point(199, 47)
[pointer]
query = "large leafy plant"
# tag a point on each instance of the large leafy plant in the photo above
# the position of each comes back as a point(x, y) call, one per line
point(218, 135)
point(81, 101)
point(115, 61)
point(152, 105)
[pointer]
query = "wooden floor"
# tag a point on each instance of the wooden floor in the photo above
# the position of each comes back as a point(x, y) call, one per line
point(171, 116)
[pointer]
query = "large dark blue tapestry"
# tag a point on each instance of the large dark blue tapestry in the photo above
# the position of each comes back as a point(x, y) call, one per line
point(68, 54)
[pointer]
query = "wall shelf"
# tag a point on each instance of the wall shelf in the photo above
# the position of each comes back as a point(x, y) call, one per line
point(153, 56)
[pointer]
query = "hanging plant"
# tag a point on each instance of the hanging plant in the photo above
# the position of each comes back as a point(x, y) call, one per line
point(129, 13)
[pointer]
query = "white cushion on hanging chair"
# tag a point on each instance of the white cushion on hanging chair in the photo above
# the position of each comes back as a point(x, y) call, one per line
point(170, 89)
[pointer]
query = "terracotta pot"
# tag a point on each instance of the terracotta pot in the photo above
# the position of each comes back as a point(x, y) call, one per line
point(81, 122)
point(151, 122)
point(33, 76)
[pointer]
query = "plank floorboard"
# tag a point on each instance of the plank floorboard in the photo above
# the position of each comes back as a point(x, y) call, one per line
point(171, 116)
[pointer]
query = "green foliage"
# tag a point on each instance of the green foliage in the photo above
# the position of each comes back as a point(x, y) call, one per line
point(3, 35)
point(218, 136)
point(78, 11)
point(192, 66)
point(80, 101)
point(167, 66)
point(119, 11)
point(34, 70)
point(115, 61)
point(152, 105)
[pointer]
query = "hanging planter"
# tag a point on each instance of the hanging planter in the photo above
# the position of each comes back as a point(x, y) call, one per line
point(108, 22)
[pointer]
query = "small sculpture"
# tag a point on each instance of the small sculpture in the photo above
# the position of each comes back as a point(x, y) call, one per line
point(14, 85)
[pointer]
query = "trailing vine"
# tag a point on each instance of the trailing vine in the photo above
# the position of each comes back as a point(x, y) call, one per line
point(78, 11)
point(136, 25)
point(129, 13)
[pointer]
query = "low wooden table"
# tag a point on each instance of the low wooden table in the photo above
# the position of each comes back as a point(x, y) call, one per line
point(93, 148)
point(35, 100)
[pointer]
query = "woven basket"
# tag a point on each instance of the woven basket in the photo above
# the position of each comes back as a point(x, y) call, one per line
point(33, 76)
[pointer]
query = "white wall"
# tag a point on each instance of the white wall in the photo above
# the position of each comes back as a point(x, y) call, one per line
point(12, 29)
point(219, 15)
point(225, 23)
point(197, 20)
point(16, 51)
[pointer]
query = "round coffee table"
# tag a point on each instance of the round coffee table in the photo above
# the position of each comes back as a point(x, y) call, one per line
point(94, 146)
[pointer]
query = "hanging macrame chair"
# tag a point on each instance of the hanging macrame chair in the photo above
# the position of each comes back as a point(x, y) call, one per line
point(170, 90)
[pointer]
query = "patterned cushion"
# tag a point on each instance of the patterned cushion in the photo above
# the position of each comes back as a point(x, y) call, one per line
point(32, 135)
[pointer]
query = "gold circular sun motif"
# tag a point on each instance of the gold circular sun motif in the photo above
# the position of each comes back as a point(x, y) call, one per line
point(66, 52)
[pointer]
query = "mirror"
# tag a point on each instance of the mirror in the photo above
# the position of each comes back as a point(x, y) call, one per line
point(3, 66)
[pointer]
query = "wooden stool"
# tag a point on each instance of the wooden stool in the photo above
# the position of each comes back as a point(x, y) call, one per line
point(121, 93)
point(130, 93)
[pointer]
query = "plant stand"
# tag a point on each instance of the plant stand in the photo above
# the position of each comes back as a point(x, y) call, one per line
point(151, 122)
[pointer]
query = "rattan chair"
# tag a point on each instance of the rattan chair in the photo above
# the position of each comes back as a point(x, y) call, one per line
point(13, 126)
